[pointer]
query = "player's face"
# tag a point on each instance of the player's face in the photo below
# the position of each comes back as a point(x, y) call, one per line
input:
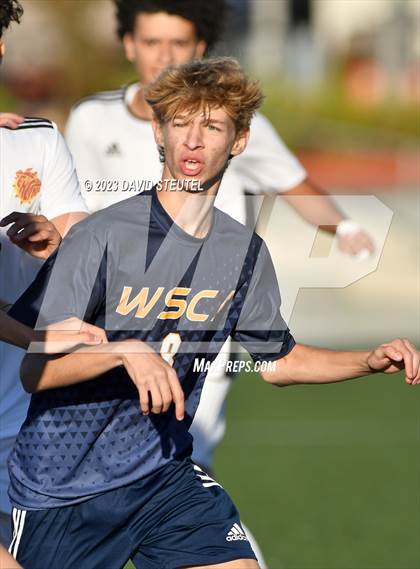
point(160, 40)
point(198, 146)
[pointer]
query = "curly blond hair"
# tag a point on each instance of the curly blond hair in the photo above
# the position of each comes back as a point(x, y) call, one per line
point(205, 84)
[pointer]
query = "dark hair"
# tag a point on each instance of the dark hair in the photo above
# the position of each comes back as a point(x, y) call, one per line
point(208, 16)
point(10, 11)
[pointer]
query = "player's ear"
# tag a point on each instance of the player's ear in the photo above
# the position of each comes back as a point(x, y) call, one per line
point(128, 43)
point(200, 49)
point(2, 49)
point(158, 134)
point(240, 143)
point(157, 131)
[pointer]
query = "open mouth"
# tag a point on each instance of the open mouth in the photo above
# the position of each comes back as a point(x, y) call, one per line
point(191, 167)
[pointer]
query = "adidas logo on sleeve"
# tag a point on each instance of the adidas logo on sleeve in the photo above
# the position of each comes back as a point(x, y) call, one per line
point(236, 533)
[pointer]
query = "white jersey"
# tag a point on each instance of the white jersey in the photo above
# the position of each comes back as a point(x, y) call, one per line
point(37, 175)
point(116, 155)
point(267, 165)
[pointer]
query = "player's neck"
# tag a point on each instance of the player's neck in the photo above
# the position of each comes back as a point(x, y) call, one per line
point(139, 107)
point(193, 213)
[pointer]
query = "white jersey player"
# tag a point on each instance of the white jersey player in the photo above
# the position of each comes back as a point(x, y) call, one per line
point(37, 176)
point(37, 181)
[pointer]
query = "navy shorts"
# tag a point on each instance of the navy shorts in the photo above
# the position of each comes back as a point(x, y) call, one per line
point(175, 517)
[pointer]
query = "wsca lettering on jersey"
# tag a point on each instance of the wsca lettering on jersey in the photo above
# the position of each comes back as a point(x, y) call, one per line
point(145, 300)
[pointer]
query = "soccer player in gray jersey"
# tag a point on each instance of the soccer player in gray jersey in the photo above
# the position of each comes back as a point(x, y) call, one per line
point(94, 480)
point(111, 138)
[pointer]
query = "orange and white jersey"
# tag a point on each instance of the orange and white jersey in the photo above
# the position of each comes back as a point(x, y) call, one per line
point(37, 175)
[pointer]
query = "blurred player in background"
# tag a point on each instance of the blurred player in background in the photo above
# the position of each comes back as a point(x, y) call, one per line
point(38, 183)
point(110, 133)
point(111, 138)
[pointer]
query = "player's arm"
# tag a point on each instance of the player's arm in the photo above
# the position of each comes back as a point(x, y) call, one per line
point(309, 365)
point(156, 381)
point(351, 238)
point(10, 120)
point(63, 223)
point(269, 167)
point(80, 137)
point(37, 235)
point(13, 332)
point(7, 561)
point(61, 199)
point(69, 287)
point(51, 341)
point(265, 335)
point(40, 371)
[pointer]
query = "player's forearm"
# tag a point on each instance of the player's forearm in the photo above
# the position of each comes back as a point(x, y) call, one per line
point(7, 561)
point(39, 371)
point(308, 365)
point(13, 332)
point(314, 205)
point(63, 223)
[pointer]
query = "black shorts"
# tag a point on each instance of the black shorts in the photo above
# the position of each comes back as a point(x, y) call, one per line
point(178, 516)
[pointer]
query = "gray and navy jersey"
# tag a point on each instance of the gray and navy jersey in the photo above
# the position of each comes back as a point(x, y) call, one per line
point(133, 271)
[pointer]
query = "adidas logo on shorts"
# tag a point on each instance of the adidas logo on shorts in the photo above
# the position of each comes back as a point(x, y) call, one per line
point(236, 533)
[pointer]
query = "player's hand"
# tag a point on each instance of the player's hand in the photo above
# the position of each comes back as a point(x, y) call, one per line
point(156, 381)
point(32, 233)
point(353, 240)
point(67, 335)
point(10, 120)
point(358, 244)
point(395, 356)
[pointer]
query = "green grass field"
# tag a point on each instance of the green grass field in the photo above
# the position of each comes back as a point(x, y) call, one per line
point(327, 477)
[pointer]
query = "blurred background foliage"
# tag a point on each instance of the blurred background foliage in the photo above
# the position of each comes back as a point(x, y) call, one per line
point(324, 91)
point(326, 119)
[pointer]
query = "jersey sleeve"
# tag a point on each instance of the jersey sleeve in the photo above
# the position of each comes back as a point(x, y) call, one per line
point(84, 149)
point(267, 165)
point(71, 283)
point(261, 329)
point(60, 186)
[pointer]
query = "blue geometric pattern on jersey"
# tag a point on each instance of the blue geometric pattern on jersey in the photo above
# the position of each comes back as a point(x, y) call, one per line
point(88, 438)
